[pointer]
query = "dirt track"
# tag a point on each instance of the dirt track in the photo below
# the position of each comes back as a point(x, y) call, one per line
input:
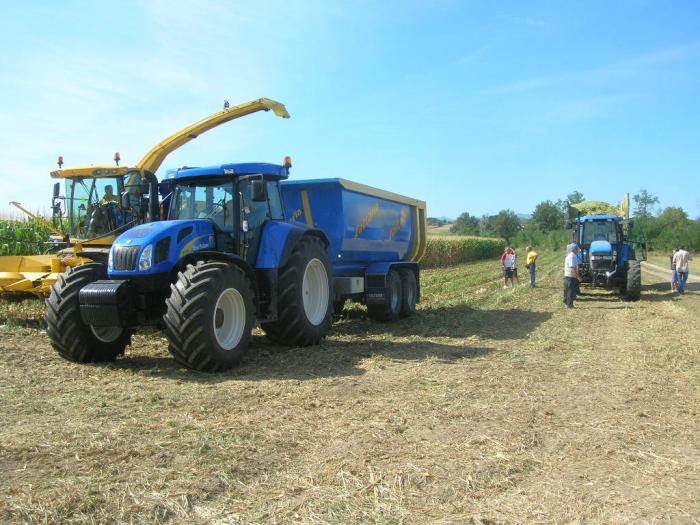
point(489, 406)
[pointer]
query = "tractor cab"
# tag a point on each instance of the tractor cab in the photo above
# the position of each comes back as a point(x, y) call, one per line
point(236, 198)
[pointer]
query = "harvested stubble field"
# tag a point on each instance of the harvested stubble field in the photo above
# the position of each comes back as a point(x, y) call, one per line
point(489, 406)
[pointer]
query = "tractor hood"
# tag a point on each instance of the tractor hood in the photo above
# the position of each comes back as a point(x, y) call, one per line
point(158, 246)
point(600, 248)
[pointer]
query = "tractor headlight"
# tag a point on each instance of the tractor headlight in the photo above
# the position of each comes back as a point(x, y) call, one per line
point(146, 259)
point(110, 260)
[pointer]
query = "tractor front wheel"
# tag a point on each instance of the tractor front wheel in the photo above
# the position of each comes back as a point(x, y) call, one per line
point(69, 335)
point(209, 316)
point(633, 281)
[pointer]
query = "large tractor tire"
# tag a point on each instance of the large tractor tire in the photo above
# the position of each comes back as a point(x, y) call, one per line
point(70, 337)
point(633, 281)
point(409, 292)
point(390, 309)
point(305, 303)
point(209, 316)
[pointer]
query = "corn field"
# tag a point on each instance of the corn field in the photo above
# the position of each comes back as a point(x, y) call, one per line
point(22, 237)
point(448, 251)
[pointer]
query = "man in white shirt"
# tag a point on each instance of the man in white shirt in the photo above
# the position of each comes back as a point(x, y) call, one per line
point(571, 275)
point(680, 261)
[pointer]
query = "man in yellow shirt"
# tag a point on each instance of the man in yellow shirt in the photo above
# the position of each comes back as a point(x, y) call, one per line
point(531, 265)
point(109, 196)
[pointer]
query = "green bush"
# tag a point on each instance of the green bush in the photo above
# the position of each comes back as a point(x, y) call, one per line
point(455, 250)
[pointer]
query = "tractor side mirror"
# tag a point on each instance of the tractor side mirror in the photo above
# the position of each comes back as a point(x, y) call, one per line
point(56, 190)
point(259, 191)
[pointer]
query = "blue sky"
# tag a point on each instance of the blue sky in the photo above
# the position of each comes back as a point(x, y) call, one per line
point(471, 106)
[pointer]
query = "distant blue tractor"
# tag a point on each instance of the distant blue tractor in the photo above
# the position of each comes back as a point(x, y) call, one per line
point(239, 248)
point(608, 258)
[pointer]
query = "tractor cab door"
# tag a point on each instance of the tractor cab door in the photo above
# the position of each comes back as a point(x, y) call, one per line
point(260, 201)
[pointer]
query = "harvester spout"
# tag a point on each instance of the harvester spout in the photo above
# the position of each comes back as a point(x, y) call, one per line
point(155, 157)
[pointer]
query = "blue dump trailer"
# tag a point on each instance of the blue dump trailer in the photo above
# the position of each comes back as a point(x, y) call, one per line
point(243, 246)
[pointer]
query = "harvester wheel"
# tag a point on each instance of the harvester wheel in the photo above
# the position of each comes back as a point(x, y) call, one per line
point(409, 292)
point(70, 337)
point(209, 316)
point(305, 303)
point(390, 308)
point(633, 285)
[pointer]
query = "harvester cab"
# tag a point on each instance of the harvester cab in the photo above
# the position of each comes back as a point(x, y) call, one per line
point(609, 253)
point(100, 203)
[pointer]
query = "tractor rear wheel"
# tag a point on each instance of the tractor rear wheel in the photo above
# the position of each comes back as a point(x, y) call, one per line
point(209, 316)
point(70, 336)
point(390, 308)
point(409, 292)
point(633, 281)
point(305, 302)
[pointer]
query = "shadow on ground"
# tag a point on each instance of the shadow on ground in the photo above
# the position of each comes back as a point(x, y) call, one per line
point(265, 361)
point(458, 321)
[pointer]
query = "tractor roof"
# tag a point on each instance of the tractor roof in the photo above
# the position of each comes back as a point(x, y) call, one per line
point(229, 170)
point(591, 218)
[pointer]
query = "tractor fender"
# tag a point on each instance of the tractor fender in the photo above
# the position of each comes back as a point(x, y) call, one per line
point(279, 239)
point(228, 258)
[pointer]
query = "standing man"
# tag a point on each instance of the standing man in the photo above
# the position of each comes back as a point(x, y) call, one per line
point(508, 260)
point(531, 265)
point(514, 267)
point(680, 259)
point(571, 275)
point(674, 273)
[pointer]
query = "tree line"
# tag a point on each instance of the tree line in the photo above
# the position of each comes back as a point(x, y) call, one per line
point(662, 230)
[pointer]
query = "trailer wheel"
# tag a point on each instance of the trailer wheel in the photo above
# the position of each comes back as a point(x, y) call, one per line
point(390, 308)
point(305, 303)
point(409, 292)
point(633, 282)
point(69, 336)
point(209, 316)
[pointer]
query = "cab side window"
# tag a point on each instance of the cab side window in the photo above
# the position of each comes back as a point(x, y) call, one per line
point(273, 195)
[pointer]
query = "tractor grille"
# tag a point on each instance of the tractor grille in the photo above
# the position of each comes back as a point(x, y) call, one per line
point(124, 257)
point(602, 262)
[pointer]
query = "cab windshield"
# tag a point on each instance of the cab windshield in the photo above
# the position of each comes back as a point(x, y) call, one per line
point(205, 200)
point(93, 206)
point(600, 231)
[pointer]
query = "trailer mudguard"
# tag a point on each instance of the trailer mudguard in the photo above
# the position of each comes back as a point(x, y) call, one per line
point(376, 273)
point(278, 240)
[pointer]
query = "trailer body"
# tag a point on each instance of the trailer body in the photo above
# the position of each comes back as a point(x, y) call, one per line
point(370, 231)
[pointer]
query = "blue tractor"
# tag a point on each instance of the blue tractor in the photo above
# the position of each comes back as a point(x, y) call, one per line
point(608, 255)
point(231, 255)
